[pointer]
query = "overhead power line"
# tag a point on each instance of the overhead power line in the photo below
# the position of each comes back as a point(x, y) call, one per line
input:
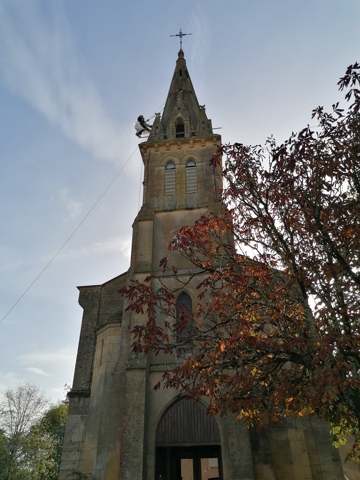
point(68, 239)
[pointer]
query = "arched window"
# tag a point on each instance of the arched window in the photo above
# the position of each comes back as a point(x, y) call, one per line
point(191, 180)
point(170, 179)
point(184, 323)
point(180, 128)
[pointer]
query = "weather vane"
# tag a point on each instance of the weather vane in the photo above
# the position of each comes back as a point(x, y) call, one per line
point(180, 34)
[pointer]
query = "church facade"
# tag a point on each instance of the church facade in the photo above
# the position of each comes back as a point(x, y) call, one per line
point(119, 427)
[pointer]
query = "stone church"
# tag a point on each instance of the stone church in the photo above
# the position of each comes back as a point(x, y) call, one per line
point(119, 427)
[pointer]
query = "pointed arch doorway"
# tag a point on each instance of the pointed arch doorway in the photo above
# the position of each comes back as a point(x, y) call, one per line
point(188, 444)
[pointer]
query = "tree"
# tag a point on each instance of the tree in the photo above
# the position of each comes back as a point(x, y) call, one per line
point(4, 455)
point(276, 328)
point(20, 409)
point(44, 443)
point(32, 434)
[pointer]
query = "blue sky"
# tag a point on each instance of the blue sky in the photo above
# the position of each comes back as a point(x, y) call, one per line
point(74, 75)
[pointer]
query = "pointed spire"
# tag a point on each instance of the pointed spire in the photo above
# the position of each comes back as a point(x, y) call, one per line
point(182, 116)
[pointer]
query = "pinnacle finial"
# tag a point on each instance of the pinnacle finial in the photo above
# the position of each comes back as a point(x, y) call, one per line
point(180, 34)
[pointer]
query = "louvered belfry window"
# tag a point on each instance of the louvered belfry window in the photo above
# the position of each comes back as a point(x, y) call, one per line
point(170, 179)
point(191, 180)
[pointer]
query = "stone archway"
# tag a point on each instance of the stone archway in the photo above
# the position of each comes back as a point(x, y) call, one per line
point(188, 444)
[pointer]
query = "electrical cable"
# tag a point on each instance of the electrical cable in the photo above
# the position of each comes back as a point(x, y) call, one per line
point(68, 239)
point(73, 233)
point(160, 109)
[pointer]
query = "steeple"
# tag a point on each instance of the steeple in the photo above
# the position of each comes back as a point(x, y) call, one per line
point(182, 116)
point(120, 426)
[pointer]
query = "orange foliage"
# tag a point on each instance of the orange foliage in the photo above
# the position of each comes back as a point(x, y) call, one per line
point(276, 328)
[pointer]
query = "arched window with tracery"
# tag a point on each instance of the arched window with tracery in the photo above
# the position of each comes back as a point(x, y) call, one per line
point(184, 323)
point(191, 177)
point(170, 179)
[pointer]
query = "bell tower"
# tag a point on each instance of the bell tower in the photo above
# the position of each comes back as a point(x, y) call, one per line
point(179, 183)
point(119, 427)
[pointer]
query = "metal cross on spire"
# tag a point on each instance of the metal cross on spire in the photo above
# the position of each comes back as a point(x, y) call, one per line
point(180, 34)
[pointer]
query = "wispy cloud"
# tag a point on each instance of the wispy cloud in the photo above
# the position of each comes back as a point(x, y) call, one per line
point(73, 207)
point(8, 380)
point(199, 25)
point(37, 371)
point(63, 356)
point(118, 244)
point(39, 61)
